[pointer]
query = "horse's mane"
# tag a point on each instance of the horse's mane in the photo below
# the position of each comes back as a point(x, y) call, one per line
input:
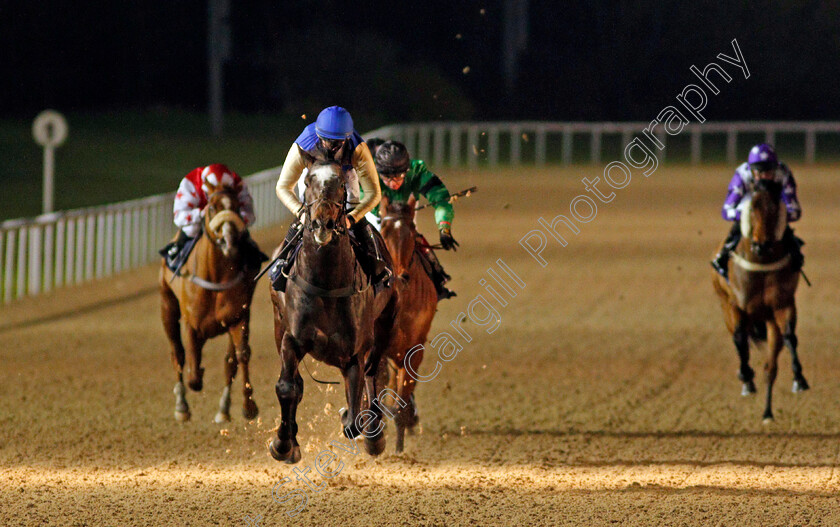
point(399, 207)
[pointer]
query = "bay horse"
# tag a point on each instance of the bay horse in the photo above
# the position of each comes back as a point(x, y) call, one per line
point(416, 309)
point(759, 301)
point(329, 311)
point(212, 293)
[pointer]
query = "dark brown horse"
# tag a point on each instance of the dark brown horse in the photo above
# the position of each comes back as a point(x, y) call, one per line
point(212, 293)
point(416, 309)
point(329, 311)
point(758, 303)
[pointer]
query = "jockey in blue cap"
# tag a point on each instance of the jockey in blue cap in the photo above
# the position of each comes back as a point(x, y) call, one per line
point(762, 163)
point(333, 137)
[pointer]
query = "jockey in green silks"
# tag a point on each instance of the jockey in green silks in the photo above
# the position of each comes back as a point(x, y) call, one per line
point(402, 177)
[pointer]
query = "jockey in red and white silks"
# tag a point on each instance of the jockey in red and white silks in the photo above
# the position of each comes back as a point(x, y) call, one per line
point(191, 197)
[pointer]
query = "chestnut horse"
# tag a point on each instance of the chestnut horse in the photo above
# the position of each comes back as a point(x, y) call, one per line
point(758, 303)
point(416, 309)
point(213, 292)
point(329, 311)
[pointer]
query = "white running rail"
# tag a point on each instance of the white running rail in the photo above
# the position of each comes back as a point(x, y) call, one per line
point(474, 144)
point(76, 246)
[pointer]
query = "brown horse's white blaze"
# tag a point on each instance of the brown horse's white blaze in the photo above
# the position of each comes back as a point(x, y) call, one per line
point(762, 292)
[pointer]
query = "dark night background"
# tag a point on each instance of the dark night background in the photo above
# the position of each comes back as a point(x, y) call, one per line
point(397, 61)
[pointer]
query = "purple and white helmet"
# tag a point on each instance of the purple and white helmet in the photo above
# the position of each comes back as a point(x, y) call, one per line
point(762, 157)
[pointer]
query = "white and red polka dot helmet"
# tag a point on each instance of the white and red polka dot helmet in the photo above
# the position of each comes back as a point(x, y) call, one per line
point(217, 175)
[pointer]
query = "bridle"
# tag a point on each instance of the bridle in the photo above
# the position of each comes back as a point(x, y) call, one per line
point(222, 216)
point(339, 228)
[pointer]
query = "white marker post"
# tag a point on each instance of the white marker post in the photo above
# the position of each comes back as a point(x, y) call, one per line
point(49, 130)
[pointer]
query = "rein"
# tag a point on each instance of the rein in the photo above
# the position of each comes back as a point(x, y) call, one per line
point(754, 267)
point(312, 289)
point(216, 286)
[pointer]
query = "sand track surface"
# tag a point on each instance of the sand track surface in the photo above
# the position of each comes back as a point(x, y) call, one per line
point(606, 395)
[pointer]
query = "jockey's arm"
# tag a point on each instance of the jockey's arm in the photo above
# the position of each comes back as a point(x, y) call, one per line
point(735, 193)
point(789, 197)
point(246, 204)
point(368, 181)
point(432, 188)
point(289, 176)
point(186, 208)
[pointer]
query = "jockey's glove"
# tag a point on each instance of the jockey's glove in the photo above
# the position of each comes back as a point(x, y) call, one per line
point(447, 241)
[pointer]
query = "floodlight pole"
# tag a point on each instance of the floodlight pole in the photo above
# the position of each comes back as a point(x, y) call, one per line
point(218, 51)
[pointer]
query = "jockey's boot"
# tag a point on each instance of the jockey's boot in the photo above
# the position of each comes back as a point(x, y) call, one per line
point(793, 245)
point(721, 261)
point(288, 250)
point(434, 269)
point(369, 253)
point(171, 252)
point(252, 255)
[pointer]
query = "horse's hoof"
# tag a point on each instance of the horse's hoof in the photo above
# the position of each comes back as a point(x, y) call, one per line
point(182, 417)
point(282, 452)
point(294, 457)
point(221, 418)
point(748, 388)
point(800, 386)
point(374, 447)
point(250, 410)
point(196, 384)
point(767, 420)
point(351, 432)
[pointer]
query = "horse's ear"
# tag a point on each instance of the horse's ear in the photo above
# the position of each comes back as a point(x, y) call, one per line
point(412, 203)
point(383, 206)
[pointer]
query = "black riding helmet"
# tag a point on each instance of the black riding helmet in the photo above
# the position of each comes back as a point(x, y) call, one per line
point(392, 158)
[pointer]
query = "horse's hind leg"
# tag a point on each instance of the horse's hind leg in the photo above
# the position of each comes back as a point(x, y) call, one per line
point(786, 319)
point(170, 314)
point(741, 338)
point(289, 391)
point(771, 367)
point(223, 415)
point(239, 339)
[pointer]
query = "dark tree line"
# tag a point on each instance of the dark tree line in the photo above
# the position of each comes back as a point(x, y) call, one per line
point(592, 60)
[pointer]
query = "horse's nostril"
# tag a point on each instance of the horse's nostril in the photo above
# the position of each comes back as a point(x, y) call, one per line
point(331, 224)
point(316, 224)
point(404, 277)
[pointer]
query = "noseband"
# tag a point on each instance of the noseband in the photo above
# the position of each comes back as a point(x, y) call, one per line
point(339, 227)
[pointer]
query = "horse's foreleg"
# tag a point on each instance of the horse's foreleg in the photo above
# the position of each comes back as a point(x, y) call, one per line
point(239, 338)
point(371, 418)
point(353, 384)
point(195, 343)
point(289, 389)
point(170, 314)
point(741, 339)
point(223, 415)
point(407, 416)
point(774, 346)
point(786, 319)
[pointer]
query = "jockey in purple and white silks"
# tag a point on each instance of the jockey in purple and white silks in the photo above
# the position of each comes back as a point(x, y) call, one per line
point(762, 163)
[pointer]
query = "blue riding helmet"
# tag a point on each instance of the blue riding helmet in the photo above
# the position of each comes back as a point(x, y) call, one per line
point(334, 123)
point(762, 157)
